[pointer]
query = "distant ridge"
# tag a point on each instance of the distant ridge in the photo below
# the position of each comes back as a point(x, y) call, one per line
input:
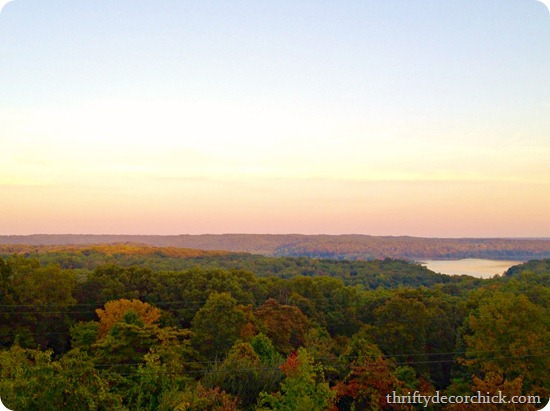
point(128, 248)
point(350, 246)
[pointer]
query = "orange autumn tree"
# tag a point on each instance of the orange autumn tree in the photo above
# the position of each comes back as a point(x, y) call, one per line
point(114, 312)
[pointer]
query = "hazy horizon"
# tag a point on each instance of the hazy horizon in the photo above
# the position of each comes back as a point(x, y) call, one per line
point(267, 234)
point(424, 119)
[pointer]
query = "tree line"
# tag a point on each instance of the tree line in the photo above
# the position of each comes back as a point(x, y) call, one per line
point(351, 247)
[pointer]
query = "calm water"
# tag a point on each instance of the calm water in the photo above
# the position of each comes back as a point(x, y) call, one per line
point(470, 266)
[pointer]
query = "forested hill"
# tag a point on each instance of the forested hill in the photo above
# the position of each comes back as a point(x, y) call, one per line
point(360, 247)
point(387, 273)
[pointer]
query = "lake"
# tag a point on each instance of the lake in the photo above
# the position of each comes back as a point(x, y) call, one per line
point(476, 267)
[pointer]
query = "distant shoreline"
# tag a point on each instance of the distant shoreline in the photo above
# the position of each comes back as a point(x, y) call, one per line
point(347, 246)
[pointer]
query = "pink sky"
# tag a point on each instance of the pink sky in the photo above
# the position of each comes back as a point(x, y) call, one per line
point(427, 119)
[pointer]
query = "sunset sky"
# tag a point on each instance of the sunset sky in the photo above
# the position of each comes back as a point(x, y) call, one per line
point(383, 117)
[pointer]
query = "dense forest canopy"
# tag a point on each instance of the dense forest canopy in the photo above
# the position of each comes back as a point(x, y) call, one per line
point(135, 327)
point(370, 274)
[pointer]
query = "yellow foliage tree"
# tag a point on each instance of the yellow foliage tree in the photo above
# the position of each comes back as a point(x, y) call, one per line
point(114, 312)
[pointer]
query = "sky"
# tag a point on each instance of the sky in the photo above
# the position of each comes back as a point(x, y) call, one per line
point(424, 118)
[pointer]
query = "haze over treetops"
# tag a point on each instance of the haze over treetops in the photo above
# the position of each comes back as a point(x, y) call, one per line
point(421, 118)
point(350, 247)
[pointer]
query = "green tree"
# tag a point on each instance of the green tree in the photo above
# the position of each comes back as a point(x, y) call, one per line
point(285, 325)
point(84, 335)
point(510, 336)
point(303, 389)
point(30, 380)
point(267, 353)
point(157, 380)
point(401, 328)
point(242, 374)
point(217, 325)
point(41, 297)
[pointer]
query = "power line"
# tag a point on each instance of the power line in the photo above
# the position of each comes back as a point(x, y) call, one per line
point(545, 352)
point(277, 368)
